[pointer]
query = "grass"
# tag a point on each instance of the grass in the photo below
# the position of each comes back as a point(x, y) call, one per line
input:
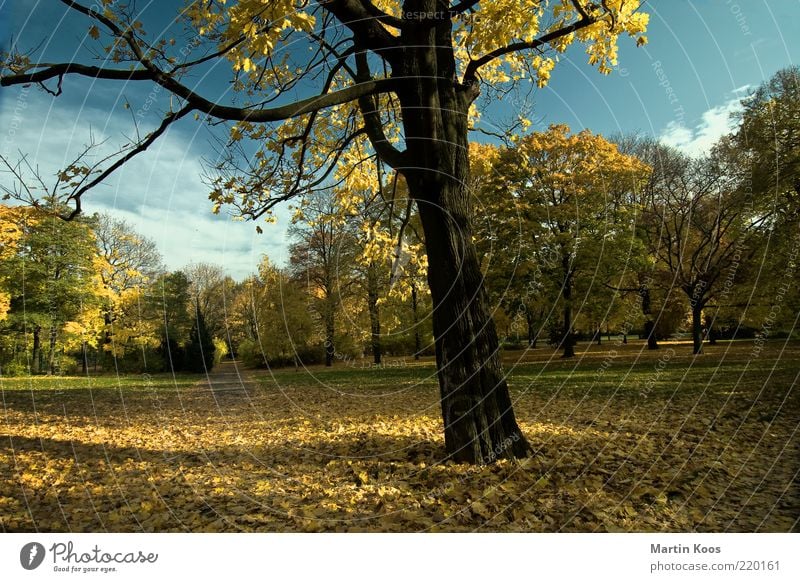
point(625, 440)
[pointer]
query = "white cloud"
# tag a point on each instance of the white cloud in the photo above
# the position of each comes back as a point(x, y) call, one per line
point(160, 192)
point(713, 124)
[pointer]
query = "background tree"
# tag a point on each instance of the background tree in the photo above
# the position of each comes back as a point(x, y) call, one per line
point(388, 77)
point(199, 351)
point(55, 287)
point(565, 190)
point(322, 257)
point(133, 260)
point(169, 301)
point(131, 263)
point(510, 260)
point(211, 289)
point(699, 225)
point(11, 230)
point(764, 156)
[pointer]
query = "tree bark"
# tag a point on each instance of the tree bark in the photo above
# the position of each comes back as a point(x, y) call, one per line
point(650, 334)
point(568, 342)
point(479, 420)
point(374, 313)
point(697, 328)
point(51, 356)
point(415, 316)
point(330, 329)
point(36, 356)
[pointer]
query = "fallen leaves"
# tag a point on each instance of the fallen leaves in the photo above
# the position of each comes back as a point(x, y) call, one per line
point(299, 455)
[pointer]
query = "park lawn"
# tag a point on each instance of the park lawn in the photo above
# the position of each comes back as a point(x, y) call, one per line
point(627, 440)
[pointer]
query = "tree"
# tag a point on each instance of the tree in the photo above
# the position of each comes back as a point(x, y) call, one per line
point(131, 263)
point(11, 229)
point(211, 289)
point(54, 287)
point(397, 83)
point(567, 192)
point(169, 302)
point(322, 257)
point(764, 156)
point(283, 330)
point(199, 351)
point(769, 135)
point(699, 224)
point(133, 260)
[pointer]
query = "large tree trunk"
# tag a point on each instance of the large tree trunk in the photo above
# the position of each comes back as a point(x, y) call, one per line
point(479, 422)
point(374, 313)
point(478, 417)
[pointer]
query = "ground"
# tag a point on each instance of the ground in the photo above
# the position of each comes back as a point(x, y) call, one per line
point(624, 440)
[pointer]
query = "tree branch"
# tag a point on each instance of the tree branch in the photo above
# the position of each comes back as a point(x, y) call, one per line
point(470, 74)
point(356, 16)
point(59, 70)
point(382, 16)
point(372, 119)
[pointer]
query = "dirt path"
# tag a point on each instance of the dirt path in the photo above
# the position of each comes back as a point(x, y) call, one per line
point(229, 378)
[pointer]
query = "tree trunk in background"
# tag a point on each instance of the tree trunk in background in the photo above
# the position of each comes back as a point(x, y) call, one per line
point(531, 324)
point(36, 356)
point(51, 356)
point(568, 341)
point(415, 316)
point(710, 335)
point(697, 328)
point(330, 350)
point(649, 324)
point(84, 358)
point(650, 334)
point(374, 313)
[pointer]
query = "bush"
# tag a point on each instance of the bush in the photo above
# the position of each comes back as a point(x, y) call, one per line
point(250, 354)
point(15, 367)
point(220, 350)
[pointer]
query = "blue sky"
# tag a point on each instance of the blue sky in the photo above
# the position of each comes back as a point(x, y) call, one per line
point(702, 57)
